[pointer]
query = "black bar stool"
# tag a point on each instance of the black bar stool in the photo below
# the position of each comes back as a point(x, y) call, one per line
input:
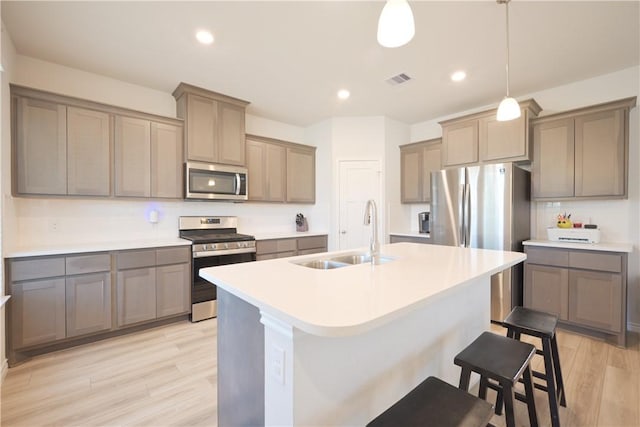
point(505, 361)
point(541, 325)
point(436, 403)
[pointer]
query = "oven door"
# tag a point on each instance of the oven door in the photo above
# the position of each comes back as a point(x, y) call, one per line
point(215, 182)
point(203, 293)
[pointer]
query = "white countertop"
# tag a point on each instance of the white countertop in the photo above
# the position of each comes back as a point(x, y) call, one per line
point(353, 299)
point(412, 234)
point(607, 247)
point(287, 234)
point(71, 248)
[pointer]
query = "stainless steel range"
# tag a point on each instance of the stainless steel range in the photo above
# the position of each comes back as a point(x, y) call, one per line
point(215, 242)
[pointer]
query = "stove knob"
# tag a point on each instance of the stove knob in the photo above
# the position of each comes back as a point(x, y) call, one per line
point(204, 247)
point(226, 246)
point(214, 246)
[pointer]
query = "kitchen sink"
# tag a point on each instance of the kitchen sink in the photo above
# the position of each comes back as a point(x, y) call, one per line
point(322, 264)
point(342, 261)
point(360, 259)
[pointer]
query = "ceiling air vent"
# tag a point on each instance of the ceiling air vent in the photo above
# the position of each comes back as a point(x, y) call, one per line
point(398, 79)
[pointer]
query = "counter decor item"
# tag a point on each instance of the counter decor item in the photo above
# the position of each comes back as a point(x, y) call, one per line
point(564, 221)
point(301, 223)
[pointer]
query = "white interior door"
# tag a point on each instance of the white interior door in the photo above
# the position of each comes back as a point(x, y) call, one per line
point(359, 182)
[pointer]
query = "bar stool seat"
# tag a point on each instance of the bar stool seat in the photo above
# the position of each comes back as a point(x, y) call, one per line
point(436, 403)
point(541, 325)
point(502, 360)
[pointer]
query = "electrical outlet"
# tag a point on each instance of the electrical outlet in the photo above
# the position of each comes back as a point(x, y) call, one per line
point(277, 363)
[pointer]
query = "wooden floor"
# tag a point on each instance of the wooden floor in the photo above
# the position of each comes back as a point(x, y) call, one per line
point(167, 376)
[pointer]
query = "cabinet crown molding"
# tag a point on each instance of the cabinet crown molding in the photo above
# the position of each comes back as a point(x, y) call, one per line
point(627, 103)
point(187, 88)
point(528, 104)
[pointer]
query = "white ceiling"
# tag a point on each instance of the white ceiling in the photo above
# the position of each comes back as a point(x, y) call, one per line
point(290, 58)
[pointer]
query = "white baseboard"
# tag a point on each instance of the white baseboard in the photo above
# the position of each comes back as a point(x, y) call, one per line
point(5, 370)
point(633, 327)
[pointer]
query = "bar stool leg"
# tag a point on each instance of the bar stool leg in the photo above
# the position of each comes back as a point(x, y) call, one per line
point(558, 371)
point(499, 401)
point(465, 375)
point(531, 402)
point(508, 396)
point(551, 389)
point(482, 391)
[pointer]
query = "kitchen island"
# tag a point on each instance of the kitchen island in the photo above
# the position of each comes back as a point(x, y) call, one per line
point(304, 346)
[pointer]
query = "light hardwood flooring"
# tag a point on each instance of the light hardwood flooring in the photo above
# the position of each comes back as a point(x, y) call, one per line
point(167, 376)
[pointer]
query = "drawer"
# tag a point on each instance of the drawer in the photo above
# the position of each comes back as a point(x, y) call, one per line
point(136, 259)
point(36, 268)
point(275, 245)
point(312, 251)
point(546, 256)
point(596, 261)
point(88, 264)
point(179, 255)
point(312, 242)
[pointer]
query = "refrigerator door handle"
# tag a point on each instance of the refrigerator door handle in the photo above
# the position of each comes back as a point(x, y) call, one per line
point(467, 218)
point(463, 215)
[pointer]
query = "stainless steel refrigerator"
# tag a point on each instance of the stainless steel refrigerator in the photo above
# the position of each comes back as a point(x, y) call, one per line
point(485, 207)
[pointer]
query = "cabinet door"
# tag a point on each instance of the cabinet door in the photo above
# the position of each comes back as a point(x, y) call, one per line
point(595, 299)
point(257, 168)
point(133, 157)
point(88, 152)
point(547, 289)
point(41, 147)
point(503, 140)
point(173, 289)
point(166, 161)
point(202, 117)
point(301, 175)
point(136, 293)
point(88, 303)
point(411, 181)
point(276, 169)
point(231, 137)
point(460, 143)
point(431, 162)
point(553, 159)
point(37, 312)
point(600, 154)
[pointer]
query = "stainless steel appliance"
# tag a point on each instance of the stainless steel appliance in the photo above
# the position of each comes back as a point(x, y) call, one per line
point(208, 181)
point(423, 222)
point(215, 242)
point(485, 207)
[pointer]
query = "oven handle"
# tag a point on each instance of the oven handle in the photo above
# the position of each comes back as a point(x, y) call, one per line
point(202, 254)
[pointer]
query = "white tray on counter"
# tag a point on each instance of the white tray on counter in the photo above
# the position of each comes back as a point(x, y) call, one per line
point(574, 235)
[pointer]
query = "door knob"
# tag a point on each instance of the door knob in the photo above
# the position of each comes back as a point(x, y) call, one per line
point(343, 232)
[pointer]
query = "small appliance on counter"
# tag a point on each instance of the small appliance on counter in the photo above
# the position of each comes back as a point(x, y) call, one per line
point(423, 222)
point(301, 223)
point(573, 235)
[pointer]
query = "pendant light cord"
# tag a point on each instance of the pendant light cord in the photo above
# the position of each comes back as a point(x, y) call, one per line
point(507, 9)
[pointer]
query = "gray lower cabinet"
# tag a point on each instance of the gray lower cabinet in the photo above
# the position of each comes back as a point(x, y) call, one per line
point(136, 290)
point(37, 312)
point(88, 303)
point(584, 288)
point(172, 289)
point(282, 248)
point(395, 238)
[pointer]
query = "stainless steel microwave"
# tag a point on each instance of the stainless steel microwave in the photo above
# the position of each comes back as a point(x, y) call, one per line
point(208, 181)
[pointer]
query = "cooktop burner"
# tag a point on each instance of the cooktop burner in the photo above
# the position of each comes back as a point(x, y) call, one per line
point(203, 236)
point(211, 229)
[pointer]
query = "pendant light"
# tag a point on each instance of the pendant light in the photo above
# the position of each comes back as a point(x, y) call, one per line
point(508, 108)
point(396, 26)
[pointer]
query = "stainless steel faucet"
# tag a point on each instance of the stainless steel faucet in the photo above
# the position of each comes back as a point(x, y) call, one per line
point(371, 218)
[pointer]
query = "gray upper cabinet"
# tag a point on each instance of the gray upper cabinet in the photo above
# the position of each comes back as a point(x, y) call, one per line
point(479, 138)
point(214, 125)
point(69, 146)
point(417, 161)
point(301, 174)
point(267, 165)
point(40, 146)
point(167, 179)
point(582, 153)
point(88, 152)
point(133, 157)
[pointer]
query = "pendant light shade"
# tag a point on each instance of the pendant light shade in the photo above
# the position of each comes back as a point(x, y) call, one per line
point(508, 108)
point(396, 26)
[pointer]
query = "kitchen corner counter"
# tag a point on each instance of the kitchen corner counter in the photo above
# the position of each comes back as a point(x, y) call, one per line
point(73, 248)
point(604, 247)
point(287, 234)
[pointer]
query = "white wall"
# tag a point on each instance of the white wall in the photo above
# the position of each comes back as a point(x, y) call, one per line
point(619, 220)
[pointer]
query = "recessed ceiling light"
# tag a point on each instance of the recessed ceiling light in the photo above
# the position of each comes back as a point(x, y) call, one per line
point(204, 37)
point(458, 76)
point(343, 94)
